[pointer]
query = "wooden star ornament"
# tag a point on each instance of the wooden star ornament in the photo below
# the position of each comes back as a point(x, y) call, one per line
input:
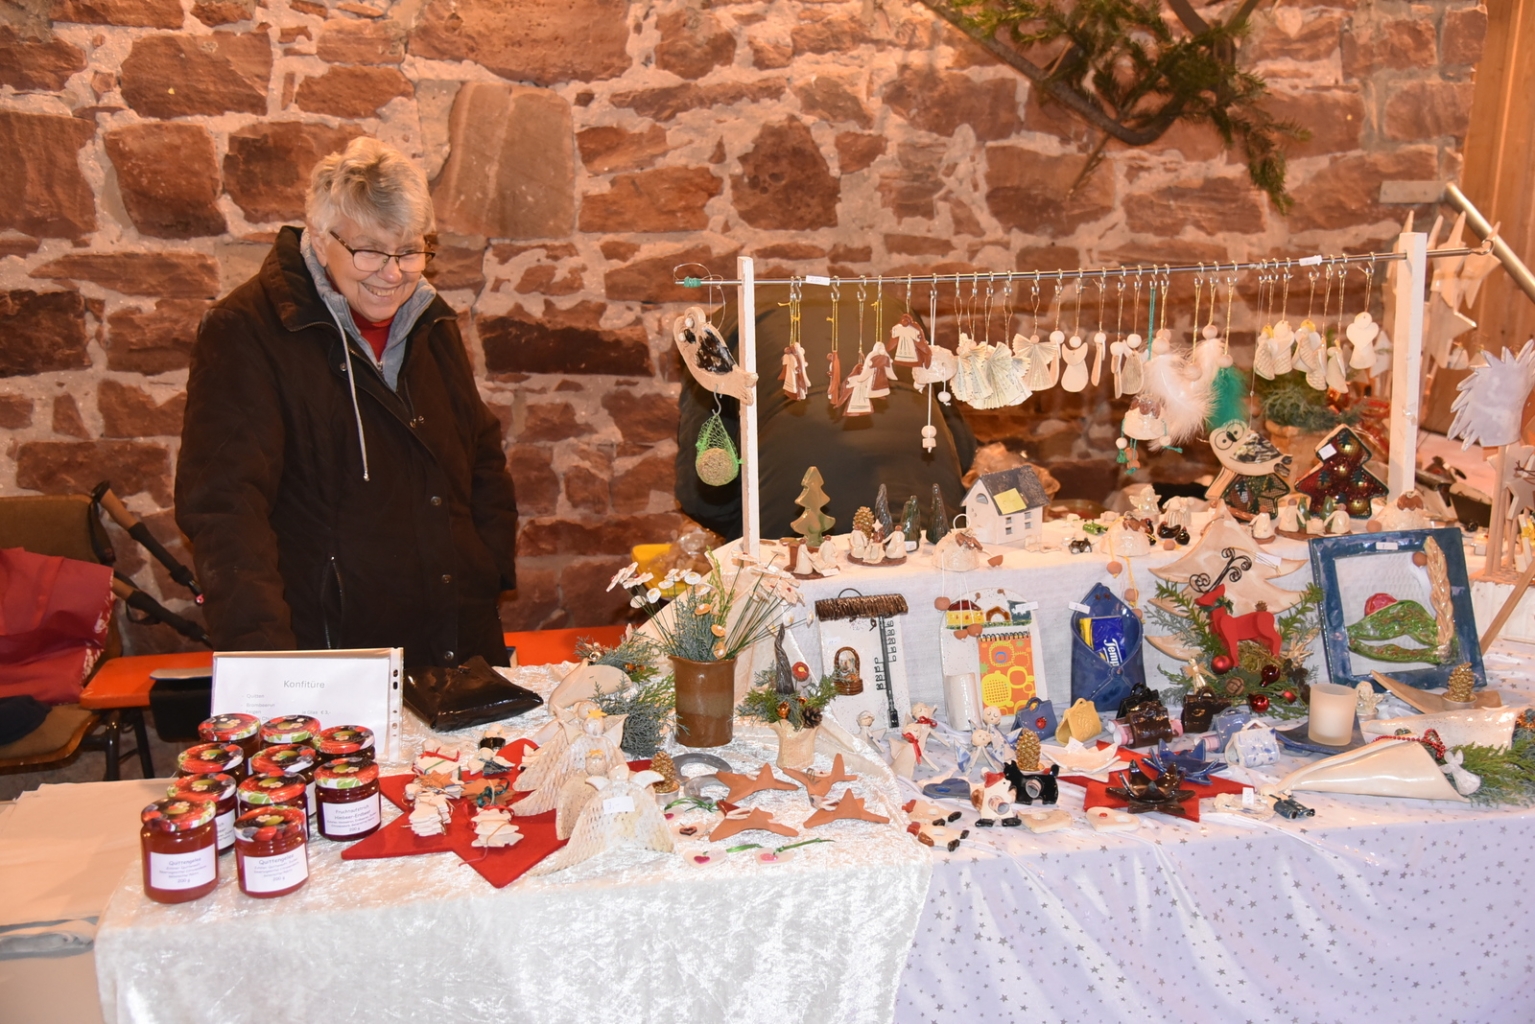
point(743, 786)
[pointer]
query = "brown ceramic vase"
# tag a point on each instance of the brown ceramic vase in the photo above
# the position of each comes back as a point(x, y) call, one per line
point(706, 694)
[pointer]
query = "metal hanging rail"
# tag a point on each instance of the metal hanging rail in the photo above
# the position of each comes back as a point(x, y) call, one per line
point(1506, 255)
point(1144, 270)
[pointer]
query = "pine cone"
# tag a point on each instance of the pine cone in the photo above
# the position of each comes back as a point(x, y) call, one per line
point(662, 765)
point(863, 521)
point(1027, 753)
point(1462, 680)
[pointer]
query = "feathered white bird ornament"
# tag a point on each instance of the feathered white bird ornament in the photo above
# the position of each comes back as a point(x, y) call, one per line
point(1179, 386)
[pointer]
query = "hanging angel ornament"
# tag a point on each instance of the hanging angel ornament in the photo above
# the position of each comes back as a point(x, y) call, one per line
point(1074, 355)
point(908, 339)
point(1362, 334)
point(1100, 343)
point(795, 373)
point(857, 390)
point(1309, 355)
point(1006, 382)
point(1128, 366)
point(878, 360)
point(1336, 373)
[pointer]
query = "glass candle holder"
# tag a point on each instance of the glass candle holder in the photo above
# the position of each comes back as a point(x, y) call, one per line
point(1332, 714)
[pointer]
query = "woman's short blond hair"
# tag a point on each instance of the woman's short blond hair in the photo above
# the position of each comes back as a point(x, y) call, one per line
point(375, 185)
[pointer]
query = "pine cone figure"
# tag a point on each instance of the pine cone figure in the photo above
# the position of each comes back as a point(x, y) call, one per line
point(863, 521)
point(1026, 755)
point(662, 765)
point(1462, 680)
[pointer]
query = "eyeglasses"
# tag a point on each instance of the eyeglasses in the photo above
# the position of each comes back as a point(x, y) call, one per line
point(370, 261)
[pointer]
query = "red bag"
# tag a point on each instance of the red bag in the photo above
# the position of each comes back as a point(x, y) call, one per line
point(54, 614)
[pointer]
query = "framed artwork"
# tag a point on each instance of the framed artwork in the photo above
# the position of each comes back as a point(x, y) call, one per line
point(1398, 603)
point(993, 632)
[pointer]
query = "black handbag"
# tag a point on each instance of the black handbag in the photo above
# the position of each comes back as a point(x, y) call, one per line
point(471, 694)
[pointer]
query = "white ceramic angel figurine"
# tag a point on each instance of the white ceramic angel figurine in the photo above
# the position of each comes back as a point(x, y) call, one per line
point(1337, 372)
point(859, 384)
point(795, 375)
point(1127, 366)
point(1074, 355)
point(623, 813)
point(1006, 382)
point(1363, 332)
point(1289, 516)
point(906, 334)
point(1338, 523)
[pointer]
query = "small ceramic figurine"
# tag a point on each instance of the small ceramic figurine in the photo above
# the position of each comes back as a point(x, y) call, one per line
point(1263, 528)
point(991, 798)
point(907, 748)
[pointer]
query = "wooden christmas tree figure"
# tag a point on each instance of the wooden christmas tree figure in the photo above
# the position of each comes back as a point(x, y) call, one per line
point(813, 523)
point(1247, 583)
point(663, 766)
point(1342, 473)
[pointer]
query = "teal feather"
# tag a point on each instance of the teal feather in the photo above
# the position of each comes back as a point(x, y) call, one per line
point(1228, 398)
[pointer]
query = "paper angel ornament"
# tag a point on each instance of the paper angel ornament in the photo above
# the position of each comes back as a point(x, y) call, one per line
point(623, 813)
point(596, 747)
point(1489, 408)
point(708, 358)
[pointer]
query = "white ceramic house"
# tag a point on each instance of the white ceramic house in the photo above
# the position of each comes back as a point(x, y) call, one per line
point(1006, 507)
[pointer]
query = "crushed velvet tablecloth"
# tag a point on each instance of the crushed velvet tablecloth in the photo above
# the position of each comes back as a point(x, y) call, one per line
point(627, 937)
point(1373, 910)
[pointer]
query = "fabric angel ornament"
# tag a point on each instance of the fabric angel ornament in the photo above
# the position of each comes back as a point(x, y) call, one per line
point(622, 813)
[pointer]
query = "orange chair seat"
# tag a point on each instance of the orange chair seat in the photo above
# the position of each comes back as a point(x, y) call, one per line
point(551, 646)
point(125, 683)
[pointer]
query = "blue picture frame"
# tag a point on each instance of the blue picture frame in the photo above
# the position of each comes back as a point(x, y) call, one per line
point(1328, 552)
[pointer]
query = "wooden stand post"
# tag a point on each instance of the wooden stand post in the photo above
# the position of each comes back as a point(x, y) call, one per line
point(751, 496)
point(1407, 363)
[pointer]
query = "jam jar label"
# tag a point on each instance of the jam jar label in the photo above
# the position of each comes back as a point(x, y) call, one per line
point(271, 874)
point(350, 819)
point(225, 825)
point(183, 870)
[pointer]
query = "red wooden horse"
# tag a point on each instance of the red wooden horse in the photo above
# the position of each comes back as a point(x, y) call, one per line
point(1232, 629)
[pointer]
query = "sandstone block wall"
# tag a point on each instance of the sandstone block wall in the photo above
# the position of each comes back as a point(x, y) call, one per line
point(580, 149)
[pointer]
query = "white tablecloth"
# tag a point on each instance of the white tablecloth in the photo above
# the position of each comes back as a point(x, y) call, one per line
point(1373, 910)
point(628, 937)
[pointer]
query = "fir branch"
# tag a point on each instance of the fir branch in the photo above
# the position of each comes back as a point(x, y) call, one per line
point(801, 709)
point(1508, 776)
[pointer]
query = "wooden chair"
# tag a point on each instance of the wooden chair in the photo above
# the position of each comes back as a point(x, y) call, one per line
point(62, 525)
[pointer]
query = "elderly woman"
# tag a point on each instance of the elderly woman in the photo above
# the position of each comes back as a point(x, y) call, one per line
point(342, 483)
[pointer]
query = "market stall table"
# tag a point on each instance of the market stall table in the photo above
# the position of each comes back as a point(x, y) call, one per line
point(636, 937)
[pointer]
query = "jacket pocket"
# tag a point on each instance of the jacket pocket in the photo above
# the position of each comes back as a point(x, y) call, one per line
point(332, 602)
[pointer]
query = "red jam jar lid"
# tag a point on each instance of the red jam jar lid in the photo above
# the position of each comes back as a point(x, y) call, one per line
point(346, 773)
point(289, 729)
point(340, 740)
point(286, 758)
point(229, 728)
point(210, 758)
point(265, 824)
point(261, 790)
point(178, 814)
point(217, 787)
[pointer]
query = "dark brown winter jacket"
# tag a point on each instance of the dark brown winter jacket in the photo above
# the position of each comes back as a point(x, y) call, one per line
point(294, 549)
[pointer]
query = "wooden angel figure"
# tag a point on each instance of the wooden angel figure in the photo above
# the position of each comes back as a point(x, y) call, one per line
point(1074, 355)
point(879, 361)
point(836, 388)
point(1128, 365)
point(859, 384)
point(795, 373)
point(909, 342)
point(1100, 343)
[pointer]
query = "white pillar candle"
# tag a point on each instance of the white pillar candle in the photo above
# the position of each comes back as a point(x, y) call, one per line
point(962, 700)
point(1332, 714)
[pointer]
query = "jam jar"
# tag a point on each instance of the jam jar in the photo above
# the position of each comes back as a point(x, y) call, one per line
point(218, 788)
point(296, 759)
point(272, 791)
point(180, 850)
point(272, 851)
point(349, 799)
point(289, 729)
point(345, 741)
point(212, 759)
point(233, 728)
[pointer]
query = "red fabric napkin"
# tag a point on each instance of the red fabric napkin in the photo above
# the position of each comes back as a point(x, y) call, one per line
point(499, 867)
point(1097, 792)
